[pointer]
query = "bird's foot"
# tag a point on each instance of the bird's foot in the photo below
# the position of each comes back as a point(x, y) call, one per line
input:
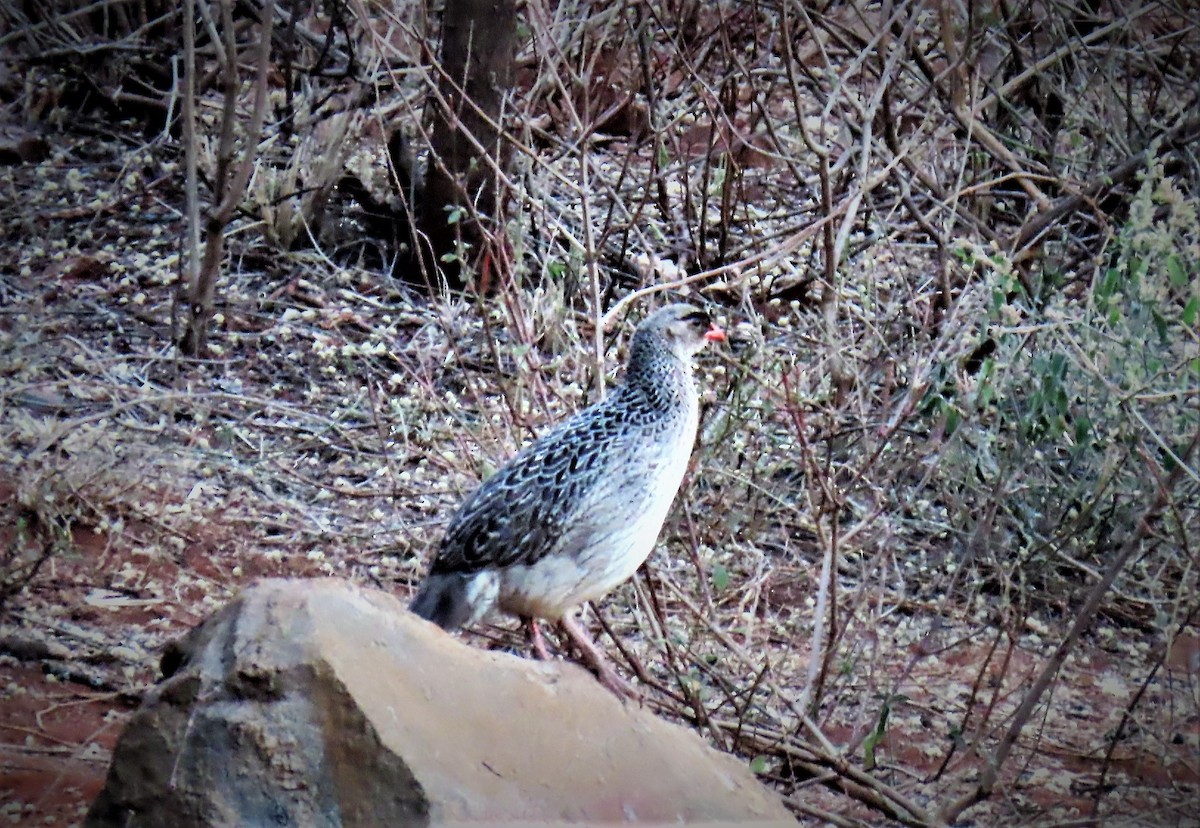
point(618, 686)
point(536, 640)
point(595, 661)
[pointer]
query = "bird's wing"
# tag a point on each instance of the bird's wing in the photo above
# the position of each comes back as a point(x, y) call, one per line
point(611, 507)
point(521, 513)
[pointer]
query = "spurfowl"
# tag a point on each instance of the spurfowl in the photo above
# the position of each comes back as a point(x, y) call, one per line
point(579, 510)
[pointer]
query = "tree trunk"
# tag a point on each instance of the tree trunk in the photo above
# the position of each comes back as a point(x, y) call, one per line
point(461, 215)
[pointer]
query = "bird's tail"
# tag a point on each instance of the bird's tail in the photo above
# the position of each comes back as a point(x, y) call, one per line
point(445, 600)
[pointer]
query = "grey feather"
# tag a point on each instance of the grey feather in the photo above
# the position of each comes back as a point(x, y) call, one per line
point(592, 475)
point(442, 599)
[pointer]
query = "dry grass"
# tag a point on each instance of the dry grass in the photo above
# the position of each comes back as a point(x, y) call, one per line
point(936, 556)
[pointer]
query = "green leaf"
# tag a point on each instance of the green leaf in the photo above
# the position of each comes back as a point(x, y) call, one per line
point(953, 418)
point(931, 403)
point(1083, 427)
point(1060, 400)
point(998, 301)
point(758, 765)
point(1168, 459)
point(869, 744)
point(1175, 271)
point(720, 577)
point(873, 739)
point(1191, 310)
point(1058, 365)
point(987, 370)
point(556, 269)
point(1112, 280)
point(1160, 325)
point(1137, 269)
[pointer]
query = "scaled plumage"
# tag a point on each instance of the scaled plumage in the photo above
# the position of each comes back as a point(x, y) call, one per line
point(577, 512)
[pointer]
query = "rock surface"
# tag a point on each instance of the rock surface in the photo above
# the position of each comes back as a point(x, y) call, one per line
point(319, 703)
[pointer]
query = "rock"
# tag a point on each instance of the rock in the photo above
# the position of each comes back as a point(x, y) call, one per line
point(320, 703)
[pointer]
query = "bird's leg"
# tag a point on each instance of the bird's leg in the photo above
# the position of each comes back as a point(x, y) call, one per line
point(594, 659)
point(534, 634)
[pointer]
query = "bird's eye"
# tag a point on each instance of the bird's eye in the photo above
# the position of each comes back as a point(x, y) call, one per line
point(698, 318)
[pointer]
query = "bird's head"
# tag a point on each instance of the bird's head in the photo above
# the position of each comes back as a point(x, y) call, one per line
point(684, 329)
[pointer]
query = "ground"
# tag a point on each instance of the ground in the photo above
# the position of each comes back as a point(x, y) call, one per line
point(330, 433)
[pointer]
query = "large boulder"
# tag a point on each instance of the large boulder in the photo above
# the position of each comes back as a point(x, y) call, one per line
point(320, 703)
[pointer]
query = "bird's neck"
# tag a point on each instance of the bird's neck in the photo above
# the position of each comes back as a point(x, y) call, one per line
point(660, 377)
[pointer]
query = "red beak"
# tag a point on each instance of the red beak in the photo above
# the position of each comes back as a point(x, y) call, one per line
point(715, 334)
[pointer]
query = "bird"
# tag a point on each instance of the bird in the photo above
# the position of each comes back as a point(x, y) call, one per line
point(575, 513)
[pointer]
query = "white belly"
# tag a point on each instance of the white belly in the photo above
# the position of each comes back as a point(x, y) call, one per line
point(612, 536)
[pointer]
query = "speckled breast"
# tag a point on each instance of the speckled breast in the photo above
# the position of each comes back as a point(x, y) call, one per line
point(612, 532)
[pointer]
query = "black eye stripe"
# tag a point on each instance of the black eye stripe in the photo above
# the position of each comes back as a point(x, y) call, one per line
point(698, 318)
